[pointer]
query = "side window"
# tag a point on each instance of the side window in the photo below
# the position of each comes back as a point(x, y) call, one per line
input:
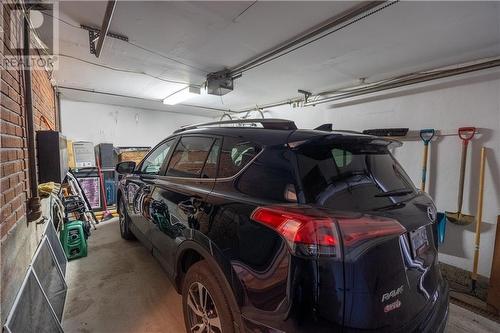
point(152, 164)
point(235, 154)
point(271, 177)
point(342, 157)
point(189, 157)
point(210, 169)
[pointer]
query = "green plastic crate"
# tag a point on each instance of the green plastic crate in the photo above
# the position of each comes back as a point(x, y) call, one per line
point(73, 240)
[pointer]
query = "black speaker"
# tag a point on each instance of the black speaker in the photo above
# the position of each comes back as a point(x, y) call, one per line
point(52, 155)
point(107, 155)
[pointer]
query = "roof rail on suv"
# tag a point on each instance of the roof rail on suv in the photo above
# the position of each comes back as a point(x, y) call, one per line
point(269, 123)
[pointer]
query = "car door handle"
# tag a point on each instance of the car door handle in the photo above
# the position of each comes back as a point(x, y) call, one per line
point(146, 189)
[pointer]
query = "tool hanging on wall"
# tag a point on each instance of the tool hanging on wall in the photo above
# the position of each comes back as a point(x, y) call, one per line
point(426, 135)
point(466, 134)
point(479, 217)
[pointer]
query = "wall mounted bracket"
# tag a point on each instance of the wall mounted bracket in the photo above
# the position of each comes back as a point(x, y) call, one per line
point(306, 94)
point(94, 34)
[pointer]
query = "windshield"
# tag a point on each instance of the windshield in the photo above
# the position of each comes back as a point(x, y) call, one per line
point(352, 174)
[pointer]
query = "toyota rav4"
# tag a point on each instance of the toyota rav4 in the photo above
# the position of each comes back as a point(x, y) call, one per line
point(263, 227)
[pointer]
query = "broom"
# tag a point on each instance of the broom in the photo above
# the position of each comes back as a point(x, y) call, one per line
point(106, 215)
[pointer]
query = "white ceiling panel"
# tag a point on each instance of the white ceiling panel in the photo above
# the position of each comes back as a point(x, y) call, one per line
point(209, 36)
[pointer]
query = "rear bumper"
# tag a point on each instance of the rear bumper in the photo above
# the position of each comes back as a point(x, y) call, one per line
point(434, 317)
point(438, 316)
point(432, 320)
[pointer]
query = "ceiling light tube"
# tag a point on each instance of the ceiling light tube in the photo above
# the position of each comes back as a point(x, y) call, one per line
point(182, 95)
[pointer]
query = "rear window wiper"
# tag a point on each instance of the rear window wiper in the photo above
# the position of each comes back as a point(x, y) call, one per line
point(396, 205)
point(394, 193)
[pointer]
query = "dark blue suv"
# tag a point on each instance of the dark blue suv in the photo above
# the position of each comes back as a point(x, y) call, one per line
point(263, 227)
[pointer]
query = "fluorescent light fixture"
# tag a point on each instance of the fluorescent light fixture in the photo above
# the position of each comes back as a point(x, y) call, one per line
point(182, 95)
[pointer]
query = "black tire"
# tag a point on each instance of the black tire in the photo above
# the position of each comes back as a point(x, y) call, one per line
point(217, 310)
point(124, 221)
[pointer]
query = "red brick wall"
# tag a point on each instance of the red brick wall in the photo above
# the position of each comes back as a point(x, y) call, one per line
point(43, 101)
point(14, 187)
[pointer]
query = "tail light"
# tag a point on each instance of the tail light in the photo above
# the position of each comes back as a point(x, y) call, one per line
point(306, 233)
point(365, 228)
point(312, 232)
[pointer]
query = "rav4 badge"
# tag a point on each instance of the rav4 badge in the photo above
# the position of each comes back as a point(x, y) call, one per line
point(391, 294)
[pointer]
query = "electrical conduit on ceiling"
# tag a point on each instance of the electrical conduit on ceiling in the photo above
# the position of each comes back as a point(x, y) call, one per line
point(340, 94)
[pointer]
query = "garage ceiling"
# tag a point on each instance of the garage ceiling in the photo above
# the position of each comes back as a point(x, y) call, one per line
point(191, 39)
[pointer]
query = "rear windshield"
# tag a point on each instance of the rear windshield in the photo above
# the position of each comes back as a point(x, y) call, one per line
point(351, 174)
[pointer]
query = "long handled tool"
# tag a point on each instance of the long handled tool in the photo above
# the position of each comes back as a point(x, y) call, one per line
point(479, 217)
point(426, 135)
point(465, 134)
point(106, 215)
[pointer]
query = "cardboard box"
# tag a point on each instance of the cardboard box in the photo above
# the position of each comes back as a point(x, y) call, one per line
point(132, 155)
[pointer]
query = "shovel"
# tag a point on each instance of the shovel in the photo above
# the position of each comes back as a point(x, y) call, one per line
point(426, 135)
point(465, 134)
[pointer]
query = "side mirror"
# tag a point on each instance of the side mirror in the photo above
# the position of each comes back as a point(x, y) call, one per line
point(125, 167)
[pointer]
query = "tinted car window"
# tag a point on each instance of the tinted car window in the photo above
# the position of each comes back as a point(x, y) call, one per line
point(235, 154)
point(210, 169)
point(189, 156)
point(351, 174)
point(152, 164)
point(269, 177)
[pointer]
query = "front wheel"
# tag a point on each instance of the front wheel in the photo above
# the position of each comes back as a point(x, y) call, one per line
point(206, 309)
point(124, 221)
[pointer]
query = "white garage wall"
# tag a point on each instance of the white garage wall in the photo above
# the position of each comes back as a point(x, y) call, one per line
point(471, 101)
point(122, 126)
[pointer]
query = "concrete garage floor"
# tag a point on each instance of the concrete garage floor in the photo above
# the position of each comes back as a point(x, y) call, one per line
point(119, 287)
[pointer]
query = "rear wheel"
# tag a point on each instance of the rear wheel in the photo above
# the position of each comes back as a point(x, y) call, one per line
point(124, 221)
point(205, 305)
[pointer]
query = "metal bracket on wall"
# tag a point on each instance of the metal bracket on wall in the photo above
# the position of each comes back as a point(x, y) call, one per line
point(94, 34)
point(306, 94)
point(414, 135)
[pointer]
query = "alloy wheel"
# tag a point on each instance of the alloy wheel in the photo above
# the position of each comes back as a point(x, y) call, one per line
point(203, 316)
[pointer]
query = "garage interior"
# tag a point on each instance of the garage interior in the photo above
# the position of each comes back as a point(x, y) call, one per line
point(88, 84)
